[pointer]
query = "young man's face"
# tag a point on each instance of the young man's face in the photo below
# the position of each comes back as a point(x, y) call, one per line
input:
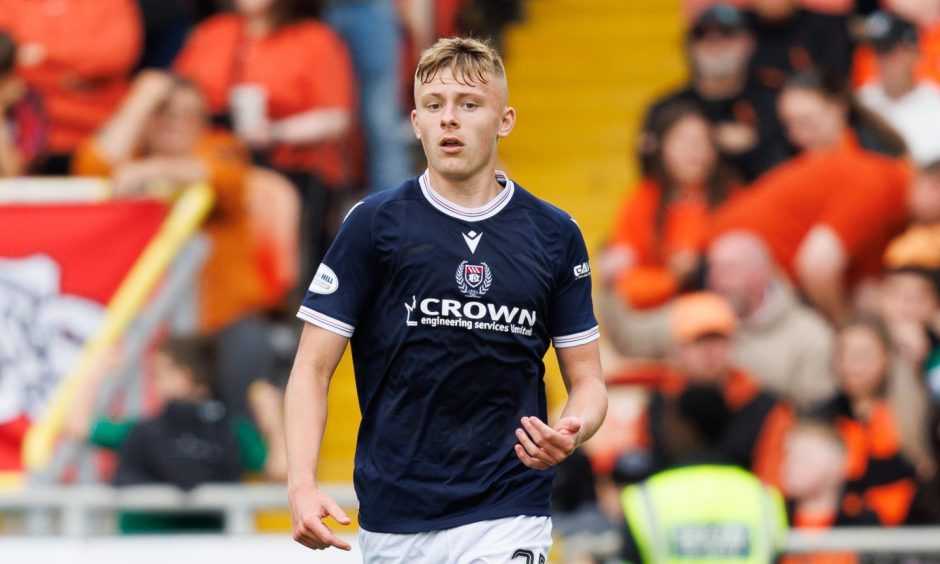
point(459, 124)
point(172, 382)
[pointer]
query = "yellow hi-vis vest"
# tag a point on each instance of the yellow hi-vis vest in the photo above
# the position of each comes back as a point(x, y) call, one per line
point(705, 515)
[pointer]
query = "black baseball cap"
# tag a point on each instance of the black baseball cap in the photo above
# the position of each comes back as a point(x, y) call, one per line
point(885, 31)
point(723, 16)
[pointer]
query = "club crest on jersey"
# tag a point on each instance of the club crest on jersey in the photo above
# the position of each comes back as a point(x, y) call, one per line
point(473, 280)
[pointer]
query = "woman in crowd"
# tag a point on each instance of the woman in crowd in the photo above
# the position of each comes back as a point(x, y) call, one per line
point(160, 141)
point(284, 82)
point(877, 469)
point(658, 238)
point(820, 113)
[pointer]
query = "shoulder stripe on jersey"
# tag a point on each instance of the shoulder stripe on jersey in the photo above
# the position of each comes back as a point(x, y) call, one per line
point(468, 214)
point(575, 339)
point(325, 322)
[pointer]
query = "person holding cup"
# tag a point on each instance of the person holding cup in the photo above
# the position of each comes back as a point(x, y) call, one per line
point(284, 83)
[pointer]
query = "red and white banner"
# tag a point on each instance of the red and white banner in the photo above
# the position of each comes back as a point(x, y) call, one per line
point(59, 267)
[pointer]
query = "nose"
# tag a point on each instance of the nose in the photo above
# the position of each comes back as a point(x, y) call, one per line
point(449, 117)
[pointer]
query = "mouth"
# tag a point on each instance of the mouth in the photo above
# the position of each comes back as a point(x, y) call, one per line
point(451, 144)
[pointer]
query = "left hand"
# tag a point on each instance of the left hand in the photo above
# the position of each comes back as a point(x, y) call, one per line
point(259, 137)
point(130, 180)
point(541, 446)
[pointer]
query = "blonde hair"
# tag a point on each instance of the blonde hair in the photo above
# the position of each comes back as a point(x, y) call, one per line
point(469, 60)
point(820, 429)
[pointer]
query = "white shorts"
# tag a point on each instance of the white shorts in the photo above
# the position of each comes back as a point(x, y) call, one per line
point(514, 540)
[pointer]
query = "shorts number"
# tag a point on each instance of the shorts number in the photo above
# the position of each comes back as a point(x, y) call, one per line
point(528, 555)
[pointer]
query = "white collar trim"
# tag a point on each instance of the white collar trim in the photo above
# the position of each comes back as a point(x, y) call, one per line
point(485, 211)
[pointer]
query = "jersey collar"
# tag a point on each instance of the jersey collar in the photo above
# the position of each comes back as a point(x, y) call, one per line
point(485, 211)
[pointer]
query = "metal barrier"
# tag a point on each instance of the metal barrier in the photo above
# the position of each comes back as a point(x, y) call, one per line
point(75, 506)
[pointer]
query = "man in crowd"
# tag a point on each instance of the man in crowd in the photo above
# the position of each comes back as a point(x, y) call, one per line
point(707, 507)
point(748, 133)
point(784, 344)
point(703, 328)
point(910, 104)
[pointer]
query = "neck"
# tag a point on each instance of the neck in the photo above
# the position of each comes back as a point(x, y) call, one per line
point(470, 192)
point(823, 502)
point(898, 89)
point(258, 24)
point(861, 407)
point(718, 88)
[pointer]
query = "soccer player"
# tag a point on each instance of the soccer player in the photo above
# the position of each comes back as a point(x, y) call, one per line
point(450, 288)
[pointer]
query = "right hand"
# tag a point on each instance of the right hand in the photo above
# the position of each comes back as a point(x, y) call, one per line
point(308, 507)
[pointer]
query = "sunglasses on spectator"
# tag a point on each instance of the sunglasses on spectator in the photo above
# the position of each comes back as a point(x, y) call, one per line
point(700, 33)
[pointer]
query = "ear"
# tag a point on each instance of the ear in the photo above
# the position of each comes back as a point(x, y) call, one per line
point(414, 124)
point(506, 122)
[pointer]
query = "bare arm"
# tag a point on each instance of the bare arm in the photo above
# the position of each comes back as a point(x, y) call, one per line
point(11, 162)
point(821, 263)
point(541, 446)
point(314, 126)
point(121, 134)
point(305, 406)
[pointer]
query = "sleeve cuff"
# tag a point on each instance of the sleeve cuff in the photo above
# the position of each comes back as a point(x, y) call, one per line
point(576, 339)
point(325, 322)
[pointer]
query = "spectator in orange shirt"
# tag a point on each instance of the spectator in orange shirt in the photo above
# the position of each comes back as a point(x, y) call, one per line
point(285, 82)
point(656, 245)
point(158, 140)
point(829, 214)
point(78, 55)
point(875, 466)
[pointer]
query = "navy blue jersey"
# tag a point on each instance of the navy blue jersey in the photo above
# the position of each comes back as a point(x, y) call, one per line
point(450, 311)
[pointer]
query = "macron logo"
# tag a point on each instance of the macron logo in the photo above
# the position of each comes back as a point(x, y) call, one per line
point(472, 239)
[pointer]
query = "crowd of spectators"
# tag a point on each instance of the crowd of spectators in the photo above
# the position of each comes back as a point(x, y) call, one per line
point(783, 248)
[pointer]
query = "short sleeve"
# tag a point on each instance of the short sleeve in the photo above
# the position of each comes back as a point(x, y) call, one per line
point(110, 434)
point(331, 79)
point(572, 315)
point(342, 283)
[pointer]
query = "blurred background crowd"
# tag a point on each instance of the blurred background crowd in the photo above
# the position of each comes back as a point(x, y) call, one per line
point(781, 244)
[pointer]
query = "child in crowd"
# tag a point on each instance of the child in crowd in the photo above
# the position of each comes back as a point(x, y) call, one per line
point(191, 441)
point(814, 481)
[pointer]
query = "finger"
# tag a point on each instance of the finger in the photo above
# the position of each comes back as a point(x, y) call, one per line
point(570, 425)
point(530, 448)
point(309, 542)
point(304, 537)
point(326, 536)
point(531, 426)
point(547, 439)
point(336, 512)
point(528, 460)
